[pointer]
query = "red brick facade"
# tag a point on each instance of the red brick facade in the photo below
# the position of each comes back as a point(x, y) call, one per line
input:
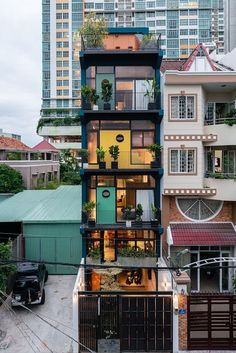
point(183, 326)
point(225, 215)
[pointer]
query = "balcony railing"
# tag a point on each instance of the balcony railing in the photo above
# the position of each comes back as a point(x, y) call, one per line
point(219, 119)
point(126, 101)
point(136, 158)
point(126, 42)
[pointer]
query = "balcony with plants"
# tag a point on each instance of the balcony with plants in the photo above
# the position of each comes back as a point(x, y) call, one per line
point(125, 95)
point(97, 38)
point(221, 171)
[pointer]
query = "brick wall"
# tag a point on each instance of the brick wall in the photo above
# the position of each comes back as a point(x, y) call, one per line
point(183, 343)
point(225, 215)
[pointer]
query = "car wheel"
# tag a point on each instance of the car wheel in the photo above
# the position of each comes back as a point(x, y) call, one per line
point(43, 298)
point(46, 276)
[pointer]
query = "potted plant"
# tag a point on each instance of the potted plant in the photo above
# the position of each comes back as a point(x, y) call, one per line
point(86, 93)
point(139, 213)
point(231, 117)
point(88, 208)
point(155, 151)
point(152, 90)
point(114, 152)
point(106, 94)
point(156, 216)
point(94, 255)
point(84, 156)
point(94, 98)
point(127, 212)
point(148, 42)
point(101, 153)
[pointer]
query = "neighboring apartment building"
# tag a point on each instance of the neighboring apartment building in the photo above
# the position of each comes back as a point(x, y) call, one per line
point(181, 23)
point(38, 165)
point(230, 25)
point(116, 304)
point(59, 121)
point(199, 195)
point(8, 134)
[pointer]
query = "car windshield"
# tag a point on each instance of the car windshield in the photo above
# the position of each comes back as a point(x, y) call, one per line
point(26, 282)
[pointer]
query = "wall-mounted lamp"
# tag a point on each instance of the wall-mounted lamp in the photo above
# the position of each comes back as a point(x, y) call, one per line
point(176, 303)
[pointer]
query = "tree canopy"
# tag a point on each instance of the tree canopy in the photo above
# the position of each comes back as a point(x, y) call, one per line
point(10, 180)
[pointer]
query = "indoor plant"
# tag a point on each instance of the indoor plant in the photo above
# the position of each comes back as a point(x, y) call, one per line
point(86, 93)
point(127, 212)
point(88, 208)
point(101, 153)
point(94, 255)
point(114, 152)
point(139, 213)
point(155, 151)
point(106, 94)
point(156, 215)
point(152, 90)
point(84, 154)
point(94, 98)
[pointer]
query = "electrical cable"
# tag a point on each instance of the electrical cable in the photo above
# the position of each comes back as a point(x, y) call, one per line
point(45, 321)
point(24, 334)
point(43, 343)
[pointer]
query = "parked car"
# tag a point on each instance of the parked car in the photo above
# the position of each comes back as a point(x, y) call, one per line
point(29, 285)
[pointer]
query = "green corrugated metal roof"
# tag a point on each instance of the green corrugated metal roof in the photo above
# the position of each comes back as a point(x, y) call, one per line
point(31, 206)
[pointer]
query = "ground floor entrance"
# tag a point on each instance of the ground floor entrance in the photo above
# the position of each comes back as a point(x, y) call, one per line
point(212, 322)
point(134, 323)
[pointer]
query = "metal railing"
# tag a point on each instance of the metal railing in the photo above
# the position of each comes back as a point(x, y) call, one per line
point(220, 119)
point(123, 100)
point(127, 42)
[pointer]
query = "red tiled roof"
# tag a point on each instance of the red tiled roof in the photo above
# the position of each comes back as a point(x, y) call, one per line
point(9, 143)
point(44, 146)
point(203, 233)
point(175, 64)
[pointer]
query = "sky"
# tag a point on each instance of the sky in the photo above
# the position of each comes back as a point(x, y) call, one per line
point(20, 68)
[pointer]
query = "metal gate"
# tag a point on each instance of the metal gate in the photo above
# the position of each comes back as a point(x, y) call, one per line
point(212, 322)
point(140, 323)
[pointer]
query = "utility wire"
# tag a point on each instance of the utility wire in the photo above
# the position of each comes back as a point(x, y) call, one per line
point(47, 322)
point(24, 334)
point(35, 334)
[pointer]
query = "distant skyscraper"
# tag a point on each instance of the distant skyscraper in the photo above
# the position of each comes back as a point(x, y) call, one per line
point(60, 73)
point(182, 23)
point(230, 25)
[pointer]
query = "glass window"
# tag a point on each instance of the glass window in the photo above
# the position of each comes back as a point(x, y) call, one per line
point(182, 107)
point(182, 161)
point(135, 181)
point(105, 180)
point(134, 72)
point(142, 124)
point(115, 124)
point(92, 146)
point(105, 69)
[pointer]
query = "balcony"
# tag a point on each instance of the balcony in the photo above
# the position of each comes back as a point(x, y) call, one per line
point(121, 42)
point(124, 101)
point(125, 49)
point(225, 186)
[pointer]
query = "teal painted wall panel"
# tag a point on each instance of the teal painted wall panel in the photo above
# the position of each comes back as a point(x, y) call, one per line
point(54, 243)
point(106, 206)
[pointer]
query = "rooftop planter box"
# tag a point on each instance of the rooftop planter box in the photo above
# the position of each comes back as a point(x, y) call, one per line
point(136, 257)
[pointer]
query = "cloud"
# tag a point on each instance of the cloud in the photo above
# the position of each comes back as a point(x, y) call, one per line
point(20, 68)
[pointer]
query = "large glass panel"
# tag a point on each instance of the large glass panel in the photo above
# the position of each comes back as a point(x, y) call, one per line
point(125, 95)
point(92, 145)
point(142, 125)
point(105, 69)
point(105, 180)
point(93, 125)
point(148, 138)
point(115, 124)
point(137, 139)
point(140, 156)
point(135, 72)
point(136, 181)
